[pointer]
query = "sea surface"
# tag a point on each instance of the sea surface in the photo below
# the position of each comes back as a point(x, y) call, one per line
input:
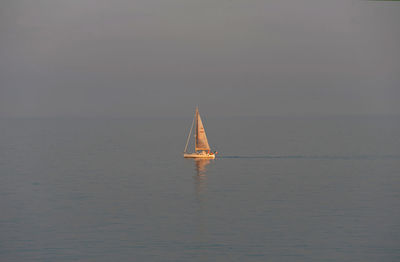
point(282, 189)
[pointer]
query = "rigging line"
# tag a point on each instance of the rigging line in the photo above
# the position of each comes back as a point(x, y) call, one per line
point(190, 132)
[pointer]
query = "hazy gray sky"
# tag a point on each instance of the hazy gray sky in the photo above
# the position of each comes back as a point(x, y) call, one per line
point(231, 57)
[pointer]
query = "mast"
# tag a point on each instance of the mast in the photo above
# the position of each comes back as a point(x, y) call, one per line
point(196, 128)
point(201, 138)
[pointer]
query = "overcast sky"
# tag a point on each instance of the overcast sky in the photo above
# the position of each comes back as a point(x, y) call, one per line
point(128, 58)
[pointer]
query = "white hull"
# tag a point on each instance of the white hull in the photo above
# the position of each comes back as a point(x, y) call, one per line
point(199, 155)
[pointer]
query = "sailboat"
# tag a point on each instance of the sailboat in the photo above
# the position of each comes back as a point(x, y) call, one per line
point(201, 146)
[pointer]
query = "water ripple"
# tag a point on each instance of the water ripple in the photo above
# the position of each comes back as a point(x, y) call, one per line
point(333, 157)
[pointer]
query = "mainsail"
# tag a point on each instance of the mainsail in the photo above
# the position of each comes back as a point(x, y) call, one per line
point(201, 138)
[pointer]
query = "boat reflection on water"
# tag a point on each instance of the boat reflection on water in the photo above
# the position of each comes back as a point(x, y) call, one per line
point(201, 176)
point(200, 183)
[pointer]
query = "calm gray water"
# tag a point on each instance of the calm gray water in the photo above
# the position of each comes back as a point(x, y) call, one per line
point(283, 189)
